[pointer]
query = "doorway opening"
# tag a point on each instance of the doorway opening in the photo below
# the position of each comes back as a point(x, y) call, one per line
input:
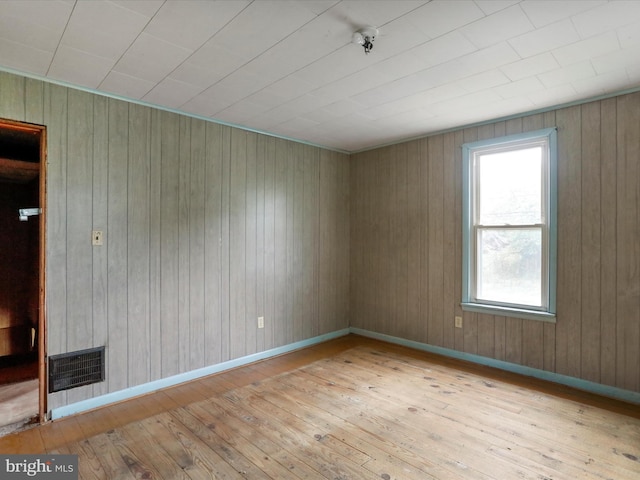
point(22, 321)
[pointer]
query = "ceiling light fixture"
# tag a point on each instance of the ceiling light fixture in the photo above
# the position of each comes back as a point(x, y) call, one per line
point(365, 37)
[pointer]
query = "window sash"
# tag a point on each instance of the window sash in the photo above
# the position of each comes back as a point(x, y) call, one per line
point(471, 227)
point(544, 264)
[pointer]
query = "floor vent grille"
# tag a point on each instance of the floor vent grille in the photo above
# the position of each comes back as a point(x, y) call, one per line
point(75, 369)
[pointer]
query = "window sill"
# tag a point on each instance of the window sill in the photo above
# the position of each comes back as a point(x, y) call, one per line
point(509, 312)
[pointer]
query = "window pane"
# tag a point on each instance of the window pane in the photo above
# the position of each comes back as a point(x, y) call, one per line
point(509, 266)
point(510, 187)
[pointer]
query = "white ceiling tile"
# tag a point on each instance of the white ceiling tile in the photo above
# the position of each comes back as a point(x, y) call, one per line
point(208, 102)
point(172, 93)
point(126, 85)
point(291, 65)
point(553, 96)
point(199, 75)
point(547, 38)
point(444, 49)
point(443, 16)
point(629, 35)
point(40, 37)
point(583, 50)
point(289, 87)
point(530, 66)
point(610, 15)
point(542, 13)
point(493, 6)
point(147, 8)
point(497, 27)
point(521, 87)
point(442, 53)
point(151, 58)
point(261, 26)
point(190, 23)
point(481, 81)
point(465, 102)
point(50, 14)
point(295, 126)
point(633, 72)
point(571, 73)
point(103, 29)
point(616, 60)
point(356, 13)
point(601, 84)
point(24, 58)
point(79, 67)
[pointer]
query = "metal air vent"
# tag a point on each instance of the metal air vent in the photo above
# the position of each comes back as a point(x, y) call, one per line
point(74, 369)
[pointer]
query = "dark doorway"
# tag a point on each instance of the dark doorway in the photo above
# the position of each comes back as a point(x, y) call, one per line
point(21, 275)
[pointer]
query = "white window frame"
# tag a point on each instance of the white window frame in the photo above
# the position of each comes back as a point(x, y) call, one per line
point(548, 227)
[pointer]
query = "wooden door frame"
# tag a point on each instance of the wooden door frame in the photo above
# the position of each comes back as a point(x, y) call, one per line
point(41, 130)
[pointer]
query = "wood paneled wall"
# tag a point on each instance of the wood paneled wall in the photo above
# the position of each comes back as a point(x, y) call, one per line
point(406, 246)
point(206, 227)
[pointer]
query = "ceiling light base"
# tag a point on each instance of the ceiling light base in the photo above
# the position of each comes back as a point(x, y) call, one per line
point(365, 37)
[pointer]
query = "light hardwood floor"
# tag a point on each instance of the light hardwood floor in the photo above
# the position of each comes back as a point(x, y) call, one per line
point(352, 408)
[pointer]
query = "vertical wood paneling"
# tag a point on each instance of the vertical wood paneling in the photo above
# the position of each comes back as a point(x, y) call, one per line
point(597, 332)
point(414, 240)
point(178, 247)
point(311, 240)
point(55, 114)
point(608, 242)
point(458, 335)
point(197, 216)
point(449, 240)
point(628, 246)
point(237, 244)
point(79, 213)
point(138, 245)
point(169, 234)
point(590, 324)
point(423, 334)
point(401, 240)
point(100, 202)
point(260, 237)
point(155, 242)
point(435, 252)
point(12, 96)
point(116, 241)
point(297, 266)
point(568, 332)
point(226, 244)
point(34, 101)
point(213, 238)
point(270, 273)
point(205, 227)
point(251, 260)
point(282, 296)
point(184, 201)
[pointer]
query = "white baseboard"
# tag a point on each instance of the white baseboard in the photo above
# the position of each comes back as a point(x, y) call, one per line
point(592, 387)
point(149, 387)
point(91, 403)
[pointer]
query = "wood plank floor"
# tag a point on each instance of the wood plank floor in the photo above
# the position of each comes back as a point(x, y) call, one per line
point(352, 408)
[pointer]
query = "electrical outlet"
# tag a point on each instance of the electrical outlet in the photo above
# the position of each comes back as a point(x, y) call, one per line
point(458, 322)
point(96, 237)
point(260, 322)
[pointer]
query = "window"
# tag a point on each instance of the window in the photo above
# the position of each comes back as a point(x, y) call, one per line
point(509, 226)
